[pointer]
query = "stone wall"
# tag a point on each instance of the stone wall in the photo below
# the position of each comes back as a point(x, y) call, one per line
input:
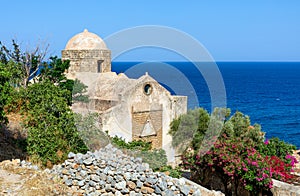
point(214, 180)
point(96, 61)
point(281, 188)
point(102, 105)
point(179, 105)
point(139, 121)
point(158, 99)
point(109, 171)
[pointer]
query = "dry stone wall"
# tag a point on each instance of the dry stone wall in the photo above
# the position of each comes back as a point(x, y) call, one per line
point(110, 172)
point(281, 188)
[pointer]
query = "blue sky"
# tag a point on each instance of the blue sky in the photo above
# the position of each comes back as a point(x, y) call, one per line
point(256, 30)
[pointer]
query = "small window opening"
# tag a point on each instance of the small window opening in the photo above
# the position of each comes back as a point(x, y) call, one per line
point(147, 89)
point(99, 68)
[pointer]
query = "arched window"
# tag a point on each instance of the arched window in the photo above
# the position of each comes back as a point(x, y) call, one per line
point(148, 89)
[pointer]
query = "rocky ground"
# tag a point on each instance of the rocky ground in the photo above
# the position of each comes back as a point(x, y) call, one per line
point(10, 137)
point(20, 178)
point(105, 172)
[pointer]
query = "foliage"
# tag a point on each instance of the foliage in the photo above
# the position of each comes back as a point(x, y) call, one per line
point(276, 147)
point(192, 127)
point(89, 131)
point(240, 155)
point(5, 90)
point(51, 128)
point(243, 165)
point(55, 73)
point(174, 173)
point(22, 65)
point(78, 92)
point(156, 158)
point(239, 125)
point(133, 145)
point(44, 102)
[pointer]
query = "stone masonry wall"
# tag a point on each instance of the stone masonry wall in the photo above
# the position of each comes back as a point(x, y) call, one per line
point(281, 188)
point(102, 105)
point(88, 60)
point(109, 172)
point(138, 123)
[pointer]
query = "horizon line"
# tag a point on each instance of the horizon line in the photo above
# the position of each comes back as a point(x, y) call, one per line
point(225, 61)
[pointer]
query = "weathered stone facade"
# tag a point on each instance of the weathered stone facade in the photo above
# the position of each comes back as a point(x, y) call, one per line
point(147, 125)
point(129, 108)
point(96, 61)
point(87, 52)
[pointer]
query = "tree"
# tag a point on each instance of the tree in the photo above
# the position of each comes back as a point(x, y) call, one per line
point(79, 92)
point(188, 127)
point(239, 160)
point(4, 91)
point(88, 128)
point(45, 102)
point(54, 70)
point(23, 65)
point(55, 73)
point(197, 127)
point(51, 127)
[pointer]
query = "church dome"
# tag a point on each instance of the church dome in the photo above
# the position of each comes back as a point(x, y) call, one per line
point(86, 41)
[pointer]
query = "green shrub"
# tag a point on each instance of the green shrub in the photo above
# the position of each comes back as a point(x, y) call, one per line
point(174, 173)
point(276, 147)
point(240, 155)
point(4, 92)
point(90, 133)
point(189, 128)
point(52, 133)
point(133, 145)
point(156, 158)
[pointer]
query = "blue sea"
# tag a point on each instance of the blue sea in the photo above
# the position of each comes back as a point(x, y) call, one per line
point(269, 92)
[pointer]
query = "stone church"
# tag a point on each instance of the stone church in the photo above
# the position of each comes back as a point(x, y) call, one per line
point(129, 108)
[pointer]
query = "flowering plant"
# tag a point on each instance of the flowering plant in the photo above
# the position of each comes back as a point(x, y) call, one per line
point(243, 158)
point(242, 165)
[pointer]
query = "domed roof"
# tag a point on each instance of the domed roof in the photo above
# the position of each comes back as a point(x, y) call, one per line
point(86, 41)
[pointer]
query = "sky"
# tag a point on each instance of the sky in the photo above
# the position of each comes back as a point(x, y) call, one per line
point(250, 30)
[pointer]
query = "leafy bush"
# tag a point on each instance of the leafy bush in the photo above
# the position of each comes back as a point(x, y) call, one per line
point(241, 156)
point(54, 72)
point(5, 91)
point(174, 173)
point(45, 103)
point(134, 145)
point(276, 147)
point(242, 165)
point(156, 158)
point(192, 127)
point(51, 128)
point(89, 131)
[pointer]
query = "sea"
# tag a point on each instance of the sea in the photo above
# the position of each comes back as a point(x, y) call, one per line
point(268, 92)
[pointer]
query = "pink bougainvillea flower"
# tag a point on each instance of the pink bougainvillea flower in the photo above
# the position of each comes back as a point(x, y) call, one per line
point(266, 142)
